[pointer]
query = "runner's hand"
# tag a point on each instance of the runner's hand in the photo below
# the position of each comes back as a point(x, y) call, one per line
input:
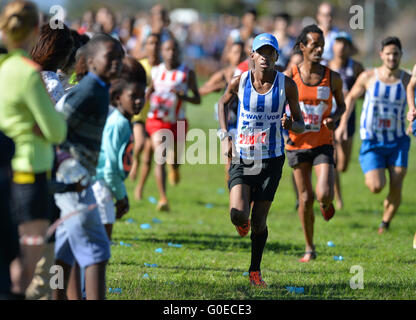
point(329, 123)
point(286, 122)
point(230, 148)
point(341, 134)
point(411, 115)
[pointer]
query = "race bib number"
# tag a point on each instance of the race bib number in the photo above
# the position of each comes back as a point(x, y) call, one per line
point(312, 116)
point(385, 121)
point(252, 138)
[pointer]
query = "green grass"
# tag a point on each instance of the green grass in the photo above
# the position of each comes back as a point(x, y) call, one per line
point(211, 263)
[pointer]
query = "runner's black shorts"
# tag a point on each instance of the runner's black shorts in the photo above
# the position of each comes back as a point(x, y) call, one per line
point(314, 156)
point(264, 183)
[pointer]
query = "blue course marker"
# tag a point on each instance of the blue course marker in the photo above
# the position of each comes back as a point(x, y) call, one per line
point(175, 245)
point(154, 265)
point(330, 244)
point(145, 226)
point(152, 200)
point(297, 290)
point(159, 250)
point(156, 220)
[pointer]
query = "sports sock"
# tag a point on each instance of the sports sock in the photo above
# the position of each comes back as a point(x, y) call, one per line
point(258, 241)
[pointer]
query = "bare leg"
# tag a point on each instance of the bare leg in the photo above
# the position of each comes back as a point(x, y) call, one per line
point(60, 294)
point(160, 171)
point(342, 155)
point(303, 179)
point(139, 140)
point(95, 281)
point(240, 204)
point(325, 184)
point(375, 180)
point(393, 200)
point(145, 168)
point(23, 267)
point(74, 283)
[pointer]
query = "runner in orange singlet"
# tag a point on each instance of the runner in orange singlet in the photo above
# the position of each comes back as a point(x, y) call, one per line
point(317, 85)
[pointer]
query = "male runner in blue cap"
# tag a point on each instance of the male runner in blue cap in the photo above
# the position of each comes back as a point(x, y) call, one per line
point(262, 93)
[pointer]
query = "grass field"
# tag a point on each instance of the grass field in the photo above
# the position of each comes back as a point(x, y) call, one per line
point(211, 262)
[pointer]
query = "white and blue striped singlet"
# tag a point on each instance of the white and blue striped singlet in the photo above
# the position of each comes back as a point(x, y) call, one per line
point(259, 130)
point(383, 115)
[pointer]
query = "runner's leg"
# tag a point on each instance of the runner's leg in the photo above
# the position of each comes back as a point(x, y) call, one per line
point(303, 178)
point(146, 165)
point(259, 232)
point(393, 200)
point(375, 180)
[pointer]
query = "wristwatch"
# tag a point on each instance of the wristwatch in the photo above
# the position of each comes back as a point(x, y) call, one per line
point(222, 134)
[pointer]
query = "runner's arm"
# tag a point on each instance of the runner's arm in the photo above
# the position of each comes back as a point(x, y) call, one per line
point(232, 90)
point(410, 92)
point(297, 125)
point(336, 87)
point(355, 93)
point(149, 91)
point(215, 83)
point(193, 86)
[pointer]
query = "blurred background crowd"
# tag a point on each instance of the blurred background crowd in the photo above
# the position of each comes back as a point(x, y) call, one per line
point(203, 28)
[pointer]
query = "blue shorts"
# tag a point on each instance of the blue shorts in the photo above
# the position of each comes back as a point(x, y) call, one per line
point(82, 237)
point(379, 157)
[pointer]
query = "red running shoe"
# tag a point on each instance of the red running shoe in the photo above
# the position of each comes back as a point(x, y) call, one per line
point(256, 280)
point(244, 229)
point(329, 212)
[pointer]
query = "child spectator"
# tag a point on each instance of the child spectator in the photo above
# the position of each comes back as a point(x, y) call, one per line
point(127, 95)
point(82, 238)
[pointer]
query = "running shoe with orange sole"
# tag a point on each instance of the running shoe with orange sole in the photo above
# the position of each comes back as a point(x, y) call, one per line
point(256, 279)
point(328, 213)
point(244, 229)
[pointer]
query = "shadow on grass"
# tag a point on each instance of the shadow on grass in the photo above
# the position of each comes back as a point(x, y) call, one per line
point(277, 291)
point(211, 205)
point(219, 242)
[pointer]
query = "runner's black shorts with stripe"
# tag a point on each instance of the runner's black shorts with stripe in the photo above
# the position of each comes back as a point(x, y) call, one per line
point(262, 176)
point(314, 156)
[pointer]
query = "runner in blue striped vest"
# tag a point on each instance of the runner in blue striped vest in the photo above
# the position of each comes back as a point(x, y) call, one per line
point(262, 93)
point(385, 144)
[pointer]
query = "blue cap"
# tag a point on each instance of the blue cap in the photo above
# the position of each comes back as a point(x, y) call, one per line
point(343, 35)
point(265, 39)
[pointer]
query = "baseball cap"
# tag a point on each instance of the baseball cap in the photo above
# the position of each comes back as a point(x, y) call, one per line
point(265, 39)
point(344, 35)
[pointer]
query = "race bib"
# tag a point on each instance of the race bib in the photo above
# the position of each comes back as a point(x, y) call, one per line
point(323, 93)
point(252, 138)
point(385, 121)
point(312, 116)
point(164, 104)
